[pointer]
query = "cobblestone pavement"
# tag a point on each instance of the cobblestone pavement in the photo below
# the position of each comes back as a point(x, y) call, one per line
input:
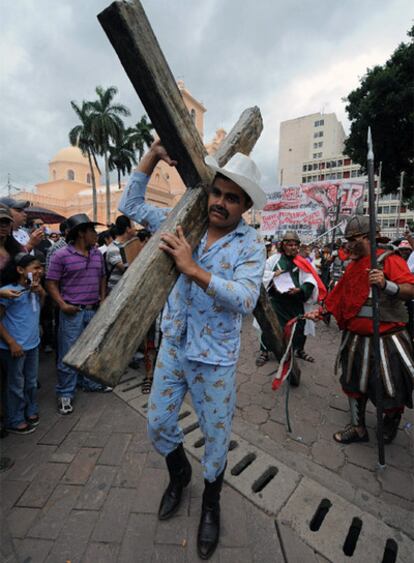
point(86, 488)
point(317, 409)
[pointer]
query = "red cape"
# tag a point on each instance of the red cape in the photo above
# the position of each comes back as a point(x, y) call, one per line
point(307, 267)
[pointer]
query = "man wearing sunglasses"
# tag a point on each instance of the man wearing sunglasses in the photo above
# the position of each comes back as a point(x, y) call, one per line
point(350, 303)
point(219, 282)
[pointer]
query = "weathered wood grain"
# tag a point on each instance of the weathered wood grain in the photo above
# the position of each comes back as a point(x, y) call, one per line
point(131, 35)
point(106, 346)
point(269, 324)
point(108, 343)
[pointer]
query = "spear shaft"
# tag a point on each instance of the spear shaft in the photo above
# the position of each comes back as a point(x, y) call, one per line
point(379, 390)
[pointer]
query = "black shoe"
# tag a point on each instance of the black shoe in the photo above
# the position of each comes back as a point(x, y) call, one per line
point(28, 429)
point(209, 527)
point(179, 469)
point(390, 427)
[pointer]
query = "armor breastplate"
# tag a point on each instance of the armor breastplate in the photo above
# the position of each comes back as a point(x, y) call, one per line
point(392, 309)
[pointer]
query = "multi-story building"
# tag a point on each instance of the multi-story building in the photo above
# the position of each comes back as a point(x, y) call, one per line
point(392, 220)
point(308, 139)
point(311, 150)
point(337, 167)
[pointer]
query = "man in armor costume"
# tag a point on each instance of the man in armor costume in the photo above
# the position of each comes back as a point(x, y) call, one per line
point(350, 303)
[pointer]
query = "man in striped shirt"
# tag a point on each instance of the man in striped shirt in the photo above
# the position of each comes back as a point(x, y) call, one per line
point(114, 263)
point(76, 281)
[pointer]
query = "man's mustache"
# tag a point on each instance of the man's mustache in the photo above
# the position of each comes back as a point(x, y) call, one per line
point(218, 209)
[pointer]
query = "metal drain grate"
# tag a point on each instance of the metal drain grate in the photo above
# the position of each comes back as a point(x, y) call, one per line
point(321, 519)
point(339, 530)
point(266, 485)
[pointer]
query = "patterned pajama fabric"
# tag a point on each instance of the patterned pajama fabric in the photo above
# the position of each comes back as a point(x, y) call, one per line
point(213, 393)
point(201, 333)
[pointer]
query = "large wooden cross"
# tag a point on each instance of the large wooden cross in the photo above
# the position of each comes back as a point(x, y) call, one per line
point(108, 343)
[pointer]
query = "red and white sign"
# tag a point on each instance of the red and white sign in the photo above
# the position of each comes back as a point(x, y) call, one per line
point(311, 208)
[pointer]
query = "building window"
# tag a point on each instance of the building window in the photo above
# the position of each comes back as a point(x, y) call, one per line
point(393, 209)
point(321, 165)
point(386, 209)
point(309, 167)
point(71, 175)
point(88, 178)
point(346, 174)
point(319, 123)
point(339, 175)
point(339, 162)
point(304, 168)
point(347, 162)
point(303, 179)
point(354, 173)
point(318, 134)
point(315, 166)
point(193, 115)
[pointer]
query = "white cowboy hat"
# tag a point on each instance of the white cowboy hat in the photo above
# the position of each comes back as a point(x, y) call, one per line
point(242, 171)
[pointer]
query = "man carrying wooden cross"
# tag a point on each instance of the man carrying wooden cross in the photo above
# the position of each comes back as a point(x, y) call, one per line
point(219, 282)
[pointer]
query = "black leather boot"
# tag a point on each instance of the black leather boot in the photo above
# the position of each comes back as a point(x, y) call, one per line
point(209, 528)
point(179, 469)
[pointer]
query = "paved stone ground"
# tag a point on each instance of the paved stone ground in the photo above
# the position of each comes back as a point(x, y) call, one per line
point(317, 409)
point(86, 487)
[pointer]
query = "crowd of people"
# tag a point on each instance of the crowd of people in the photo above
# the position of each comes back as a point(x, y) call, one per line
point(52, 284)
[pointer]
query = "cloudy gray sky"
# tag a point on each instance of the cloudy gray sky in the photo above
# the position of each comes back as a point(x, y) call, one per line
point(289, 57)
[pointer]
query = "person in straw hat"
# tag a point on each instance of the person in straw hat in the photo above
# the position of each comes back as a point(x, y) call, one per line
point(219, 282)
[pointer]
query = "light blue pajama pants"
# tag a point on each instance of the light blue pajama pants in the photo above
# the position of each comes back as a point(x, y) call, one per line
point(213, 392)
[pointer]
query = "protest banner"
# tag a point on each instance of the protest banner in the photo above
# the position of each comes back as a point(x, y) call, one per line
point(312, 208)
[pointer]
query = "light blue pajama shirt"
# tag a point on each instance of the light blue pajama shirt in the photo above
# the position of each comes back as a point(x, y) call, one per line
point(201, 333)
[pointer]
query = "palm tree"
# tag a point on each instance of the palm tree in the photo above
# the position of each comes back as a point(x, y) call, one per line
point(122, 156)
point(81, 136)
point(140, 135)
point(106, 126)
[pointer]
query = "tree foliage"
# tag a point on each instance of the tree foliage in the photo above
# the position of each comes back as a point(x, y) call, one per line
point(122, 156)
point(81, 136)
point(101, 131)
point(384, 101)
point(140, 135)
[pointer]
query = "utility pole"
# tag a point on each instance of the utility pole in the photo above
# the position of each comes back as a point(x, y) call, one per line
point(399, 203)
point(378, 192)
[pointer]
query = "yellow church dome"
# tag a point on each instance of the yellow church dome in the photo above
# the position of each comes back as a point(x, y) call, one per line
point(70, 154)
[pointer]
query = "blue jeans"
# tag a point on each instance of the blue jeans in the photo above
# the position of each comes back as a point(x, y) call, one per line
point(21, 385)
point(70, 328)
